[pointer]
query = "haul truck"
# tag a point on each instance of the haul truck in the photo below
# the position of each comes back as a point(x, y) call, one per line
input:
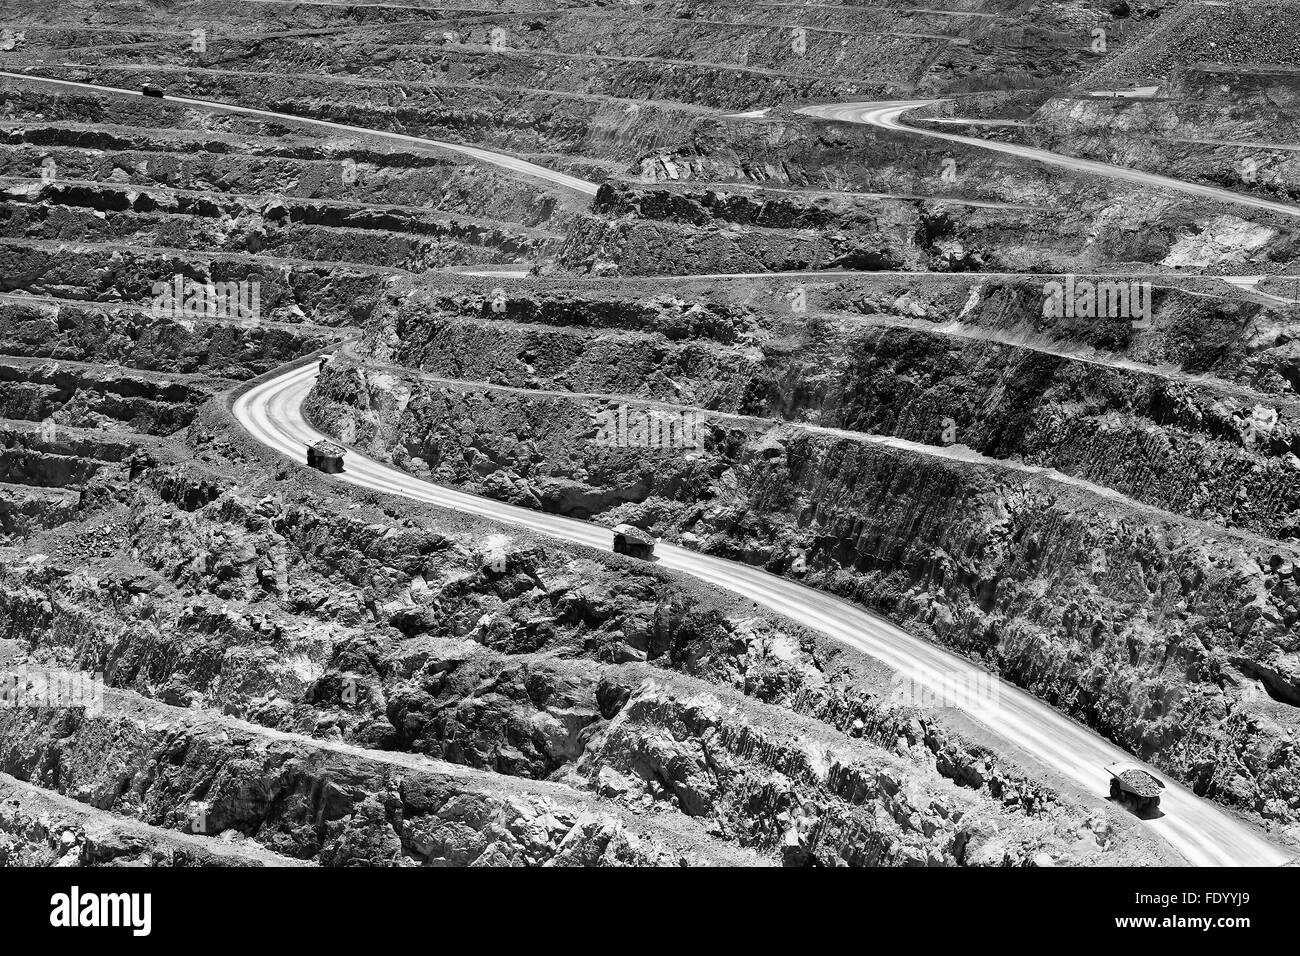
point(1134, 787)
point(325, 456)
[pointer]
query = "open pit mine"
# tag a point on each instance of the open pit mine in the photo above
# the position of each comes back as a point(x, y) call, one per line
point(646, 434)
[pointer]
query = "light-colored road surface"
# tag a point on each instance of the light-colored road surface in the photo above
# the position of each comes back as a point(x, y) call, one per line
point(1200, 830)
point(483, 155)
point(887, 116)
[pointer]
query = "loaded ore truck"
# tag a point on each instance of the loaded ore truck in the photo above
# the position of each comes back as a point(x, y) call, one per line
point(1134, 787)
point(633, 542)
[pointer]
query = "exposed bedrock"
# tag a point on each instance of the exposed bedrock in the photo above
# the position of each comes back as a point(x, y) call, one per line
point(1196, 327)
point(41, 828)
point(289, 290)
point(1201, 450)
point(1051, 583)
point(91, 397)
point(338, 185)
point(409, 243)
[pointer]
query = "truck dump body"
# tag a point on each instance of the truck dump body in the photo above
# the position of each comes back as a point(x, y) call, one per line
point(325, 456)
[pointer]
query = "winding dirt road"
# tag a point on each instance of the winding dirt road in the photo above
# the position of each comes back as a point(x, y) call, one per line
point(1204, 833)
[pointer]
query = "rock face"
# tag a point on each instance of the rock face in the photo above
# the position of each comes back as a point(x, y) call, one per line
point(1216, 452)
point(335, 804)
point(86, 332)
point(40, 828)
point(1141, 783)
point(395, 695)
